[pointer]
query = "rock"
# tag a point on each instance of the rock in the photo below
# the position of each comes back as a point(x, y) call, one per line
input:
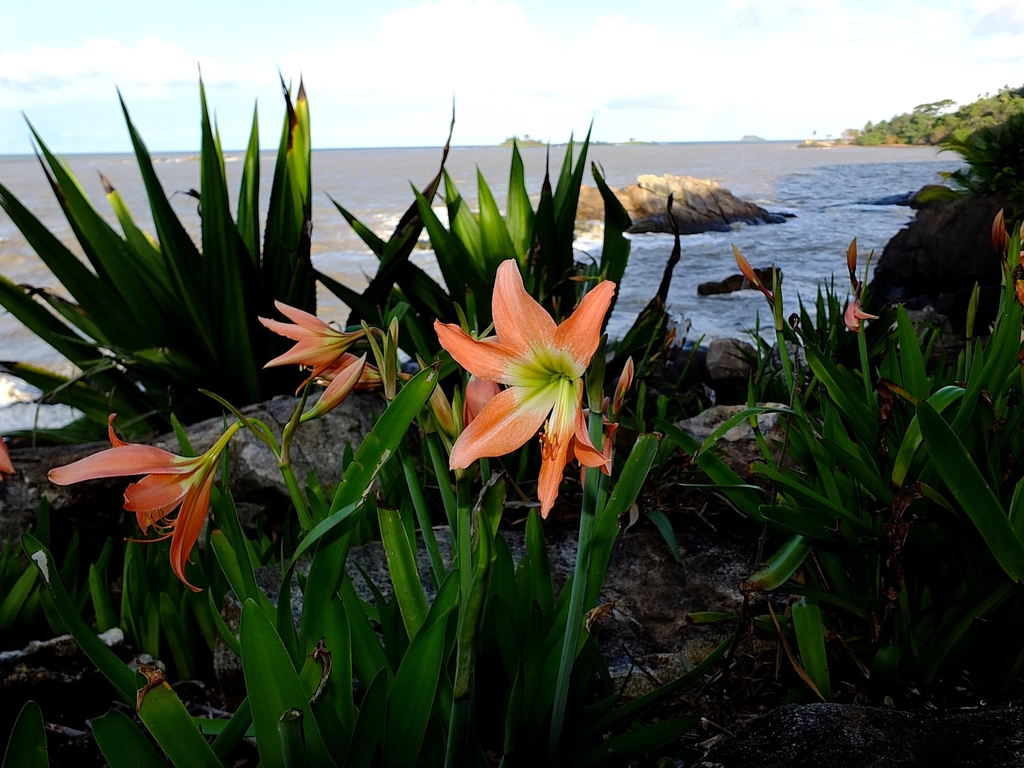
point(939, 256)
point(730, 359)
point(649, 594)
point(95, 508)
point(738, 447)
point(699, 205)
point(906, 198)
point(736, 283)
point(845, 736)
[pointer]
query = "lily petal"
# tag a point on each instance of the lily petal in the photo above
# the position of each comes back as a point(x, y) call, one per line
point(189, 524)
point(154, 496)
point(305, 319)
point(581, 332)
point(115, 441)
point(479, 392)
point(6, 467)
point(485, 359)
point(120, 461)
point(519, 321)
point(510, 419)
point(552, 467)
point(584, 448)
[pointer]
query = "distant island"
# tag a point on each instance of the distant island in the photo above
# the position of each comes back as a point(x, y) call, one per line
point(751, 137)
point(930, 124)
point(524, 141)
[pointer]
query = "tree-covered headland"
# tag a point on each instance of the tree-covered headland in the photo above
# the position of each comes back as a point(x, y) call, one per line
point(934, 122)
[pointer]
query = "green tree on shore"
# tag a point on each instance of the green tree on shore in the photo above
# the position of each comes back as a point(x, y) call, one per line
point(932, 123)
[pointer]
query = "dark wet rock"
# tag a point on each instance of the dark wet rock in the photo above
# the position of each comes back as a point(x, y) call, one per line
point(94, 508)
point(69, 689)
point(735, 283)
point(904, 199)
point(845, 736)
point(936, 259)
point(700, 205)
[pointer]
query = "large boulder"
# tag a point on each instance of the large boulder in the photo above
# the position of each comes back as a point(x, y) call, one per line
point(937, 258)
point(699, 205)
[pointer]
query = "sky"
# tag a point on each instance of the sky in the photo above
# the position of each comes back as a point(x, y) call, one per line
point(384, 73)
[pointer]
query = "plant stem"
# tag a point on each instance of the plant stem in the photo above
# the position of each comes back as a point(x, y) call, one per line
point(284, 463)
point(444, 482)
point(305, 520)
point(464, 534)
point(862, 344)
point(574, 619)
point(437, 571)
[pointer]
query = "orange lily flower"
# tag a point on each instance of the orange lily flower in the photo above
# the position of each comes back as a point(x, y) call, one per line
point(170, 480)
point(6, 467)
point(542, 365)
point(479, 393)
point(318, 345)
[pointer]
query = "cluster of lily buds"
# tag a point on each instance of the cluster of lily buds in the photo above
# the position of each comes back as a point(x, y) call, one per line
point(323, 351)
point(6, 467)
point(854, 314)
point(612, 407)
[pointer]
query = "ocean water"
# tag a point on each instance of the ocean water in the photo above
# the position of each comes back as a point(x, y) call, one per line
point(828, 192)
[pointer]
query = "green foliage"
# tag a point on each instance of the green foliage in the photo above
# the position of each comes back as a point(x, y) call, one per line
point(899, 500)
point(935, 122)
point(150, 322)
point(995, 158)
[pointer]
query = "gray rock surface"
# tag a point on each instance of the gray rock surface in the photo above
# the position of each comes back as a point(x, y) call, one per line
point(738, 447)
point(700, 205)
point(94, 508)
point(730, 359)
point(844, 736)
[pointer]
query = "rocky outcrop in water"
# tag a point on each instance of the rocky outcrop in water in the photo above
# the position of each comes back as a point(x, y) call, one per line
point(936, 259)
point(700, 205)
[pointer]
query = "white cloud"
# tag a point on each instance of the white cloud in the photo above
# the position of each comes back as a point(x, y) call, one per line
point(778, 68)
point(53, 75)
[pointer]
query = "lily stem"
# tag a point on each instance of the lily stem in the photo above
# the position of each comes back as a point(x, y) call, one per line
point(862, 344)
point(464, 533)
point(574, 619)
point(284, 463)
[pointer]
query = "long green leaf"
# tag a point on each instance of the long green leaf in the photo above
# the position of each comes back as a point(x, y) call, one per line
point(519, 210)
point(810, 639)
point(405, 577)
point(414, 689)
point(273, 687)
point(27, 745)
point(120, 676)
point(968, 486)
point(122, 743)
